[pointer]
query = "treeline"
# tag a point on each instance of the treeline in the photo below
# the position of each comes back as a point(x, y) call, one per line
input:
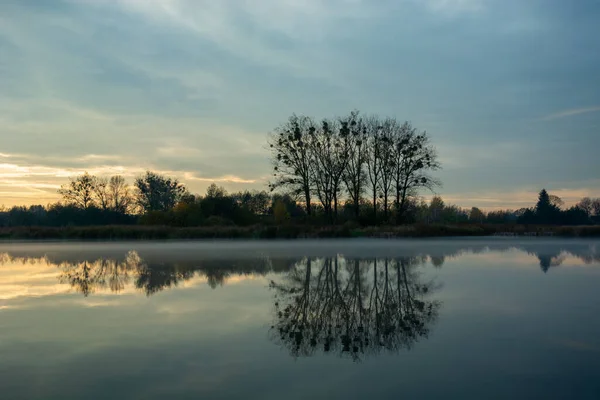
point(549, 210)
point(153, 199)
point(356, 169)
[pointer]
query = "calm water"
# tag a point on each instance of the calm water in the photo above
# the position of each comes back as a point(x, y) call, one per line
point(348, 319)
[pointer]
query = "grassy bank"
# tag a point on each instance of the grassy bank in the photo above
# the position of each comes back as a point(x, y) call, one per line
point(136, 232)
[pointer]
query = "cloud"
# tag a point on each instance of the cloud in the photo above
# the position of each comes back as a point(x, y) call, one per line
point(192, 87)
point(570, 113)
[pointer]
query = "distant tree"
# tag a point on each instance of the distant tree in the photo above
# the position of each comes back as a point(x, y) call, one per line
point(101, 193)
point(215, 191)
point(545, 211)
point(556, 201)
point(158, 193)
point(575, 216)
point(290, 146)
point(217, 202)
point(280, 212)
point(80, 191)
point(476, 215)
point(436, 207)
point(255, 202)
point(596, 207)
point(585, 204)
point(119, 195)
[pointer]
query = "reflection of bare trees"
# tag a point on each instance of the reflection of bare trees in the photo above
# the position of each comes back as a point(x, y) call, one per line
point(90, 276)
point(352, 307)
point(90, 273)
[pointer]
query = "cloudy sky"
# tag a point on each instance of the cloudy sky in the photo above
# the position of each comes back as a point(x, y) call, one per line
point(508, 89)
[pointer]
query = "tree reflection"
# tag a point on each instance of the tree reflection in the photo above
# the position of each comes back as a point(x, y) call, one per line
point(332, 282)
point(352, 307)
point(86, 277)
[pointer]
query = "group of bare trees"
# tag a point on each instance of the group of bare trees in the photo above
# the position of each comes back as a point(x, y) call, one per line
point(348, 158)
point(87, 191)
point(151, 192)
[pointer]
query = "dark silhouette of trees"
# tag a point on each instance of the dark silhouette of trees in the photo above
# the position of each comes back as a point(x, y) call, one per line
point(291, 154)
point(547, 211)
point(80, 191)
point(330, 149)
point(158, 193)
point(119, 195)
point(415, 158)
point(336, 159)
point(373, 158)
point(354, 176)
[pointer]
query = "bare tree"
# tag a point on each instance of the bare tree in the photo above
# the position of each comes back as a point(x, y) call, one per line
point(290, 146)
point(387, 138)
point(101, 193)
point(416, 157)
point(556, 201)
point(331, 154)
point(373, 157)
point(355, 175)
point(80, 191)
point(119, 195)
point(596, 207)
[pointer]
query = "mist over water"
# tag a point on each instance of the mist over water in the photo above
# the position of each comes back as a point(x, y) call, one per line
point(459, 318)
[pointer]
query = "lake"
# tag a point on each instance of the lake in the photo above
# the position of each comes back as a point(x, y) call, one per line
point(473, 318)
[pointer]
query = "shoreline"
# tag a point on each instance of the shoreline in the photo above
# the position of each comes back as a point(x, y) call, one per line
point(290, 232)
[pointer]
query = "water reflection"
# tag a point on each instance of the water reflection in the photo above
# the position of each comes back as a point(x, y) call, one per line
point(327, 303)
point(352, 307)
point(89, 273)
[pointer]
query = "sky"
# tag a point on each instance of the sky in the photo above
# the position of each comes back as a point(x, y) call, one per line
point(507, 89)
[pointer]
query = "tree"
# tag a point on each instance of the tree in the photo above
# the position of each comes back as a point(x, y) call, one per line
point(290, 146)
point(101, 193)
point(158, 193)
point(119, 195)
point(255, 202)
point(436, 207)
point(373, 157)
point(387, 137)
point(476, 215)
point(556, 201)
point(596, 207)
point(545, 211)
point(80, 191)
point(585, 204)
point(416, 158)
point(330, 149)
point(280, 212)
point(354, 177)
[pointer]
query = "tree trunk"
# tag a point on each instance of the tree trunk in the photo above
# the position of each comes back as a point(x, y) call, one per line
point(307, 199)
point(335, 207)
point(374, 205)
